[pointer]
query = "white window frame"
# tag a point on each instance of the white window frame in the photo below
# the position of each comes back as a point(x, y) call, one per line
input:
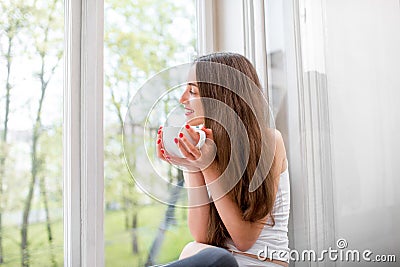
point(205, 26)
point(83, 134)
point(255, 38)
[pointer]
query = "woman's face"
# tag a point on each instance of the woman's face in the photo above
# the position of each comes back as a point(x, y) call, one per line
point(190, 99)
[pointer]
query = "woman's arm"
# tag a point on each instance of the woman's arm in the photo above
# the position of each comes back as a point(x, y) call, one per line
point(243, 233)
point(199, 207)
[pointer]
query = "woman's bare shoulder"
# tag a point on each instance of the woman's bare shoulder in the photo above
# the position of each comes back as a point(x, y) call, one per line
point(280, 151)
point(274, 137)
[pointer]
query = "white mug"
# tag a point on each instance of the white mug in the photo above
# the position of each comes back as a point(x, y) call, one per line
point(169, 133)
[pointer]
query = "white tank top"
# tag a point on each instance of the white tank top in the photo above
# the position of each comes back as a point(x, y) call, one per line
point(272, 238)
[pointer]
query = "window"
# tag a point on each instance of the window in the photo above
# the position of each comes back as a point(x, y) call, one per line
point(141, 39)
point(31, 50)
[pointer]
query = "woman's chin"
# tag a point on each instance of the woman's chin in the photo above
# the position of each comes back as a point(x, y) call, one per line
point(194, 121)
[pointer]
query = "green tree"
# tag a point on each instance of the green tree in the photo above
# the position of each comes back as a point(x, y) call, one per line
point(138, 43)
point(12, 20)
point(47, 45)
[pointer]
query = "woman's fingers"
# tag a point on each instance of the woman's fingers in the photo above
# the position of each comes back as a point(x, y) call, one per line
point(159, 145)
point(183, 147)
point(192, 133)
point(209, 133)
point(190, 148)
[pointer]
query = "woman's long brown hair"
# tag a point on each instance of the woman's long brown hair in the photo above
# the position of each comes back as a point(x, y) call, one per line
point(254, 205)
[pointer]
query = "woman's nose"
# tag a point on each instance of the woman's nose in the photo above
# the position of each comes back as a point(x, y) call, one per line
point(184, 97)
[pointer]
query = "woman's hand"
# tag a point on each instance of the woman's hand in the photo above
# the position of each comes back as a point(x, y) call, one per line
point(159, 145)
point(195, 159)
point(161, 152)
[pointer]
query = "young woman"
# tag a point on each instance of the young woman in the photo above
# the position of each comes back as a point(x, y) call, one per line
point(241, 168)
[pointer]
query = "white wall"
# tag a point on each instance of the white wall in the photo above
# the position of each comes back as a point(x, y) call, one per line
point(343, 118)
point(363, 73)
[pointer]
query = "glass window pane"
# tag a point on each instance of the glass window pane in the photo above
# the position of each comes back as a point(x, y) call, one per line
point(31, 49)
point(141, 39)
point(276, 60)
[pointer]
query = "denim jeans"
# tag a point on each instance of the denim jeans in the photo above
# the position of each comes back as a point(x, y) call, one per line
point(209, 257)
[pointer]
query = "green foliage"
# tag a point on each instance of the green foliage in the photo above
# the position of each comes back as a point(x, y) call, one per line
point(139, 42)
point(137, 37)
point(117, 248)
point(13, 17)
point(39, 248)
point(38, 28)
point(118, 244)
